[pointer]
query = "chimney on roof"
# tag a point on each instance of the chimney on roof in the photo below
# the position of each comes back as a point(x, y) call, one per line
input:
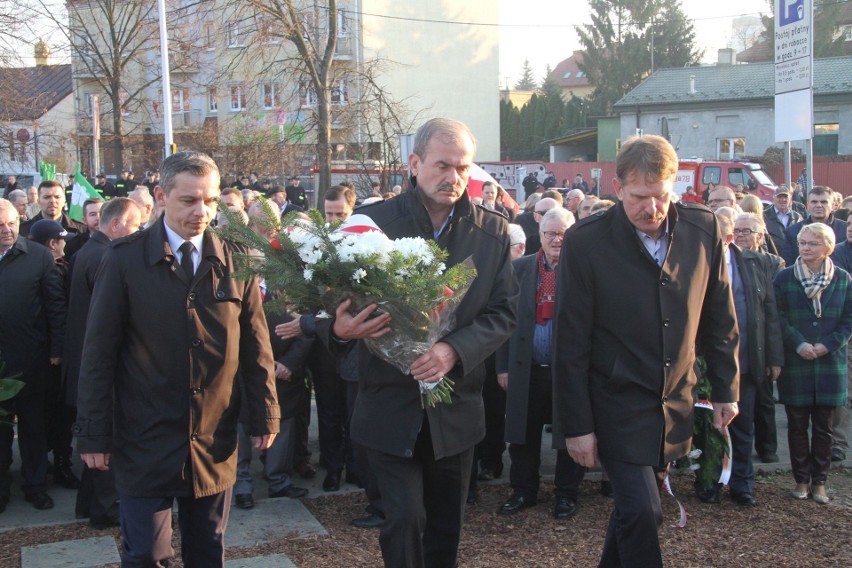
point(727, 56)
point(42, 53)
point(692, 84)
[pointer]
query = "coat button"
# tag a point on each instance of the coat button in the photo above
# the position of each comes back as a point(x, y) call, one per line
point(668, 362)
point(194, 437)
point(666, 322)
point(195, 390)
point(664, 282)
point(196, 342)
point(816, 323)
point(192, 296)
point(220, 294)
point(665, 400)
point(408, 453)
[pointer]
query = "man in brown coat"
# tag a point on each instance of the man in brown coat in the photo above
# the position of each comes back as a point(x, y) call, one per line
point(168, 327)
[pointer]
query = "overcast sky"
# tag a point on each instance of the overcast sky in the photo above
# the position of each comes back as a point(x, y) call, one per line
point(543, 30)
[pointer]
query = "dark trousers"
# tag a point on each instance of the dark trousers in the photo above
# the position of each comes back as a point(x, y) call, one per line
point(631, 537)
point(97, 497)
point(742, 437)
point(810, 459)
point(302, 454)
point(765, 430)
point(59, 418)
point(524, 473)
point(424, 501)
point(361, 464)
point(330, 390)
point(32, 443)
point(146, 530)
point(489, 452)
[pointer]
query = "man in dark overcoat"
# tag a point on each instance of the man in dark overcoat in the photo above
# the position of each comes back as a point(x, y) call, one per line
point(32, 328)
point(169, 325)
point(422, 458)
point(640, 287)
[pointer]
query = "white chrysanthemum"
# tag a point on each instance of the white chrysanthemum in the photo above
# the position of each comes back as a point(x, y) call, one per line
point(694, 454)
point(308, 273)
point(415, 247)
point(695, 467)
point(359, 274)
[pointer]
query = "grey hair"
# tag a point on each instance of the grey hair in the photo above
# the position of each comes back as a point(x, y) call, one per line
point(758, 219)
point(198, 164)
point(559, 214)
point(516, 234)
point(449, 130)
point(116, 208)
point(15, 193)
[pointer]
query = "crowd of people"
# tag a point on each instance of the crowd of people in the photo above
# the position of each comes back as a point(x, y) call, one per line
point(131, 331)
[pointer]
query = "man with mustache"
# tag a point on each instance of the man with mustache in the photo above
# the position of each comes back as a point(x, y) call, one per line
point(422, 458)
point(624, 371)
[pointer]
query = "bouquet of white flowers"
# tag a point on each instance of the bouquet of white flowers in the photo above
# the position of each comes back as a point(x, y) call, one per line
point(315, 265)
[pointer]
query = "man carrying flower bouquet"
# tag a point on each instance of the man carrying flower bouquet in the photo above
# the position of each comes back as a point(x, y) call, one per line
point(422, 457)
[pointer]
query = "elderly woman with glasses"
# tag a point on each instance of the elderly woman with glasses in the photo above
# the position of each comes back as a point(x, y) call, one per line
point(814, 300)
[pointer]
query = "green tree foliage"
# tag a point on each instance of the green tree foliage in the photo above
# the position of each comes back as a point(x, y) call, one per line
point(617, 45)
point(527, 81)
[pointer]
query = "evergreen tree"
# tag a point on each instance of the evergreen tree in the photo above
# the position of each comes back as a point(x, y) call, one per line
point(618, 45)
point(527, 80)
point(826, 13)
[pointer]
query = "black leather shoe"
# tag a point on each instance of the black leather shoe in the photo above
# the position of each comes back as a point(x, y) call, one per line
point(770, 457)
point(744, 499)
point(244, 501)
point(369, 522)
point(4, 500)
point(290, 491)
point(514, 504)
point(565, 508)
point(40, 500)
point(331, 481)
point(305, 470)
point(838, 455)
point(101, 523)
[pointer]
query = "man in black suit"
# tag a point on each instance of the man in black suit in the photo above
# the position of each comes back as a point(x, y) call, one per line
point(779, 216)
point(51, 201)
point(422, 458)
point(296, 193)
point(819, 211)
point(523, 371)
point(119, 217)
point(761, 350)
point(168, 327)
point(639, 286)
point(279, 196)
point(32, 327)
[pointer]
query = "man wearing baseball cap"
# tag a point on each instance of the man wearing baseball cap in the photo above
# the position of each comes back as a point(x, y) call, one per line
point(779, 216)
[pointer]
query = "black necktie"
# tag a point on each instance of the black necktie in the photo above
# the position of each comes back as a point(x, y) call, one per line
point(186, 259)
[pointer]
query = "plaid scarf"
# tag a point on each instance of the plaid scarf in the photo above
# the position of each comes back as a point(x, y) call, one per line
point(814, 282)
point(545, 294)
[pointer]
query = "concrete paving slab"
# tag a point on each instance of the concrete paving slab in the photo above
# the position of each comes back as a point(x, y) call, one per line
point(85, 553)
point(272, 561)
point(271, 519)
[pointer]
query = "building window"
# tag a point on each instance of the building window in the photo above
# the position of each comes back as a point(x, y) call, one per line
point(339, 92)
point(212, 101)
point(208, 36)
point(88, 104)
point(567, 75)
point(342, 24)
point(234, 34)
point(270, 33)
point(730, 148)
point(270, 96)
point(181, 101)
point(580, 74)
point(307, 95)
point(826, 138)
point(238, 98)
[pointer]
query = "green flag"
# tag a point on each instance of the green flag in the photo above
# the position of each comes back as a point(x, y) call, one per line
point(83, 190)
point(46, 171)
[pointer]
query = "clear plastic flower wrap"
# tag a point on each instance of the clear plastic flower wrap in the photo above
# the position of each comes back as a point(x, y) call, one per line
point(312, 265)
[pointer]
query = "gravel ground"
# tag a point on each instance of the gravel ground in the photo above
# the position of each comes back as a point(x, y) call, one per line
point(779, 532)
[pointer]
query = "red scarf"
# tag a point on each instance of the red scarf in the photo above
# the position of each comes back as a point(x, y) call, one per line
point(545, 294)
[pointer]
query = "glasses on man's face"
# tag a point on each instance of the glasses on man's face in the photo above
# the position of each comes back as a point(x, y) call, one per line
point(744, 232)
point(717, 201)
point(551, 235)
point(517, 244)
point(811, 244)
point(540, 212)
